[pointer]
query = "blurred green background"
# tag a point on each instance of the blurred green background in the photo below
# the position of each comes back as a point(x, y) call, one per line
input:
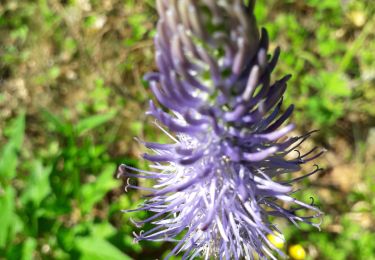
point(72, 100)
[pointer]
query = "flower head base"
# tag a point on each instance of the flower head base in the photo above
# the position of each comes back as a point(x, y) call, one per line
point(222, 178)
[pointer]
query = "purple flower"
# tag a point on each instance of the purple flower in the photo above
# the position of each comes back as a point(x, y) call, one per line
point(224, 175)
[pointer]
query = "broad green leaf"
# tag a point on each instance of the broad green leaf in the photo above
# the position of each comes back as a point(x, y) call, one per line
point(93, 248)
point(7, 199)
point(103, 230)
point(9, 154)
point(37, 185)
point(92, 193)
point(66, 237)
point(16, 131)
point(28, 248)
point(136, 128)
point(92, 122)
point(8, 163)
point(336, 84)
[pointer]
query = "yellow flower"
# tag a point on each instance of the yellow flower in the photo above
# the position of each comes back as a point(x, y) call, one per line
point(297, 252)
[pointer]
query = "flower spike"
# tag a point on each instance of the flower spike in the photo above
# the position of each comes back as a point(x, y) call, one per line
point(223, 179)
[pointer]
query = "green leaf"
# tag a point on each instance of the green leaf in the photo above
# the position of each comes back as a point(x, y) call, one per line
point(7, 198)
point(92, 193)
point(336, 84)
point(16, 131)
point(93, 248)
point(28, 248)
point(103, 230)
point(90, 21)
point(93, 122)
point(37, 185)
point(57, 124)
point(9, 154)
point(136, 22)
point(136, 128)
point(8, 163)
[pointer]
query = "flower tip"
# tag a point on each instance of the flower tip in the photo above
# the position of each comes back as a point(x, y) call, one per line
point(127, 185)
point(287, 77)
point(120, 171)
point(135, 223)
point(152, 76)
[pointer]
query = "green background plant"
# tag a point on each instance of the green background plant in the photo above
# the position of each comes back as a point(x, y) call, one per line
point(72, 99)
